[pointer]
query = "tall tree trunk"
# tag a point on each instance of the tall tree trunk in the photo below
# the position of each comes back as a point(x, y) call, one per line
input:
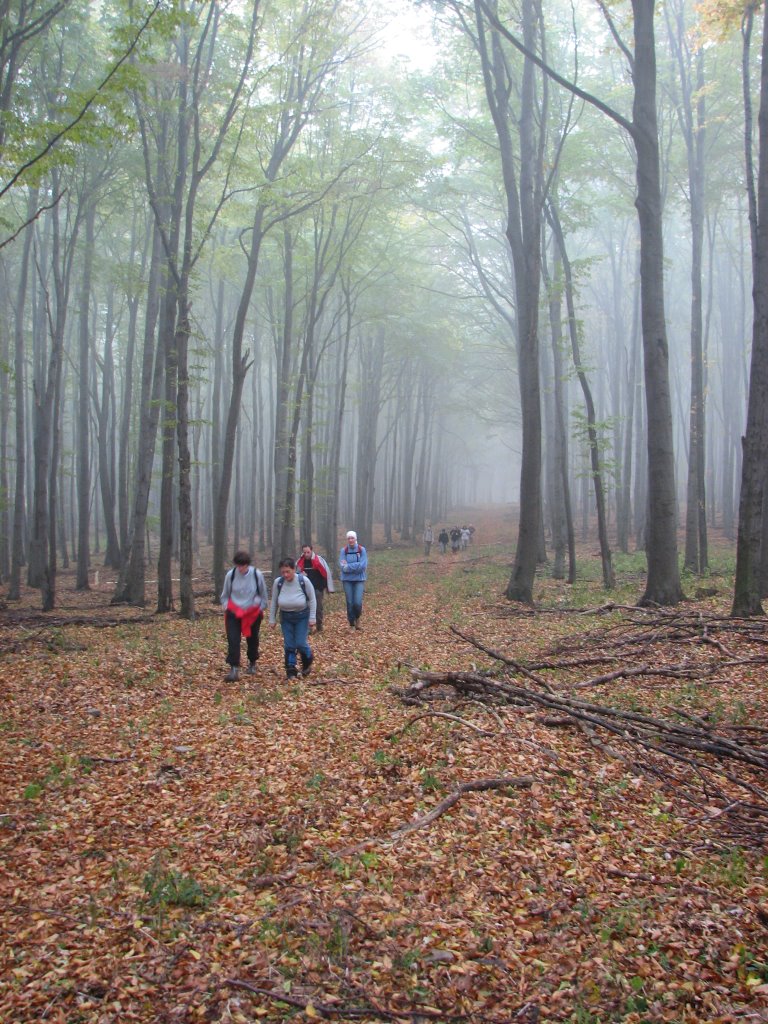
point(329, 531)
point(561, 514)
point(126, 409)
point(663, 583)
point(84, 406)
point(692, 118)
point(522, 177)
point(747, 587)
point(593, 440)
point(5, 394)
point(19, 371)
point(624, 512)
point(168, 451)
point(131, 581)
point(106, 435)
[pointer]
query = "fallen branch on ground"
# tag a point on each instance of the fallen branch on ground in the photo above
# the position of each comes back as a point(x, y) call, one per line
point(688, 759)
point(521, 782)
point(437, 714)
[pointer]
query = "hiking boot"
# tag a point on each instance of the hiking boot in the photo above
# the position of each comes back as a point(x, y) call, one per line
point(306, 668)
point(233, 675)
point(291, 673)
point(251, 670)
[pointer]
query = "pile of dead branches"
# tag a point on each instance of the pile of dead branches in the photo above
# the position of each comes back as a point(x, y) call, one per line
point(718, 772)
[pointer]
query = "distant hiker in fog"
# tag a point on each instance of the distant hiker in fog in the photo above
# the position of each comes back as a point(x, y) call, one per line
point(455, 539)
point(316, 569)
point(428, 538)
point(243, 599)
point(465, 535)
point(353, 561)
point(443, 539)
point(294, 597)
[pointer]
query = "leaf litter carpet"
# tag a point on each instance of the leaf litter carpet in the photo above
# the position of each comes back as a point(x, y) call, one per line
point(177, 849)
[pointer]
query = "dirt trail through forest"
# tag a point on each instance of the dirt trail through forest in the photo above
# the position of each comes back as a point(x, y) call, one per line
point(178, 849)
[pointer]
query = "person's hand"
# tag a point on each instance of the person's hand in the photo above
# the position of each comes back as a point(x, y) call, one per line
point(312, 625)
point(343, 565)
point(273, 625)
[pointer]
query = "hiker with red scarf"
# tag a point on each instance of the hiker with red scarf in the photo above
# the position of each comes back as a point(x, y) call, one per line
point(243, 599)
point(316, 569)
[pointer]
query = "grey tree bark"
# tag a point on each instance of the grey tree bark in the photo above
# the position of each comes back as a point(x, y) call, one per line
point(747, 597)
point(18, 557)
point(593, 439)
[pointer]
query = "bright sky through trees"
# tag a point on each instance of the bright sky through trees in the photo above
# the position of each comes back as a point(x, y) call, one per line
point(406, 34)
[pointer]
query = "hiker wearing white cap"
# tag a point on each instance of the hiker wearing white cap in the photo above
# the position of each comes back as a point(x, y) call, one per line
point(353, 561)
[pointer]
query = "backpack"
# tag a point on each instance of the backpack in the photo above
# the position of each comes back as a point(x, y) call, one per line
point(302, 583)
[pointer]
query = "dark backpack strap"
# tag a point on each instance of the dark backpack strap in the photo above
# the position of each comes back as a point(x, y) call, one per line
point(302, 583)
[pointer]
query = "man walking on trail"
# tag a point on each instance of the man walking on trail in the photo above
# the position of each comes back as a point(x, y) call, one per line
point(428, 538)
point(317, 571)
point(243, 599)
point(443, 538)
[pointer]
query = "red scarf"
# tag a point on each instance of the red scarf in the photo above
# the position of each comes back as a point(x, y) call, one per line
point(247, 615)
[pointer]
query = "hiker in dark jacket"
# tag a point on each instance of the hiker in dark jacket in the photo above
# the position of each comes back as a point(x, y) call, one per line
point(243, 599)
point(443, 539)
point(317, 571)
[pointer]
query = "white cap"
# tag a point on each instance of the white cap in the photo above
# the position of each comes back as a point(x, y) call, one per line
point(352, 534)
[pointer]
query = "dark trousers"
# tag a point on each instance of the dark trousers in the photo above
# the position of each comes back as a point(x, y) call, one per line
point(319, 595)
point(234, 629)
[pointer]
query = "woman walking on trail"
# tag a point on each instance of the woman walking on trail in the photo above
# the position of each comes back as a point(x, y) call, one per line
point(353, 561)
point(243, 599)
point(294, 597)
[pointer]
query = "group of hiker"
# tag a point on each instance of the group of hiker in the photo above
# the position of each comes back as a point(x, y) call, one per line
point(296, 601)
point(459, 537)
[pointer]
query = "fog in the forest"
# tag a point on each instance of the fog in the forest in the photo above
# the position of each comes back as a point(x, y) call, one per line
point(269, 272)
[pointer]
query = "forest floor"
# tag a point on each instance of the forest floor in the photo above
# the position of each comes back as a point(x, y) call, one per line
point(179, 849)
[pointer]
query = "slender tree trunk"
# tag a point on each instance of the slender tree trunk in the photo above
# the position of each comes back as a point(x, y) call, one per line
point(522, 177)
point(593, 440)
point(5, 394)
point(168, 451)
point(19, 390)
point(105, 437)
point(131, 581)
point(663, 583)
point(83, 407)
point(747, 588)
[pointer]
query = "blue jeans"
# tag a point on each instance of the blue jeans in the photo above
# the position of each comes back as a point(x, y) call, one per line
point(353, 591)
point(295, 633)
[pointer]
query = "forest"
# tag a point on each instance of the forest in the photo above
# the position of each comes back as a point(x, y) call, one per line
point(273, 271)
